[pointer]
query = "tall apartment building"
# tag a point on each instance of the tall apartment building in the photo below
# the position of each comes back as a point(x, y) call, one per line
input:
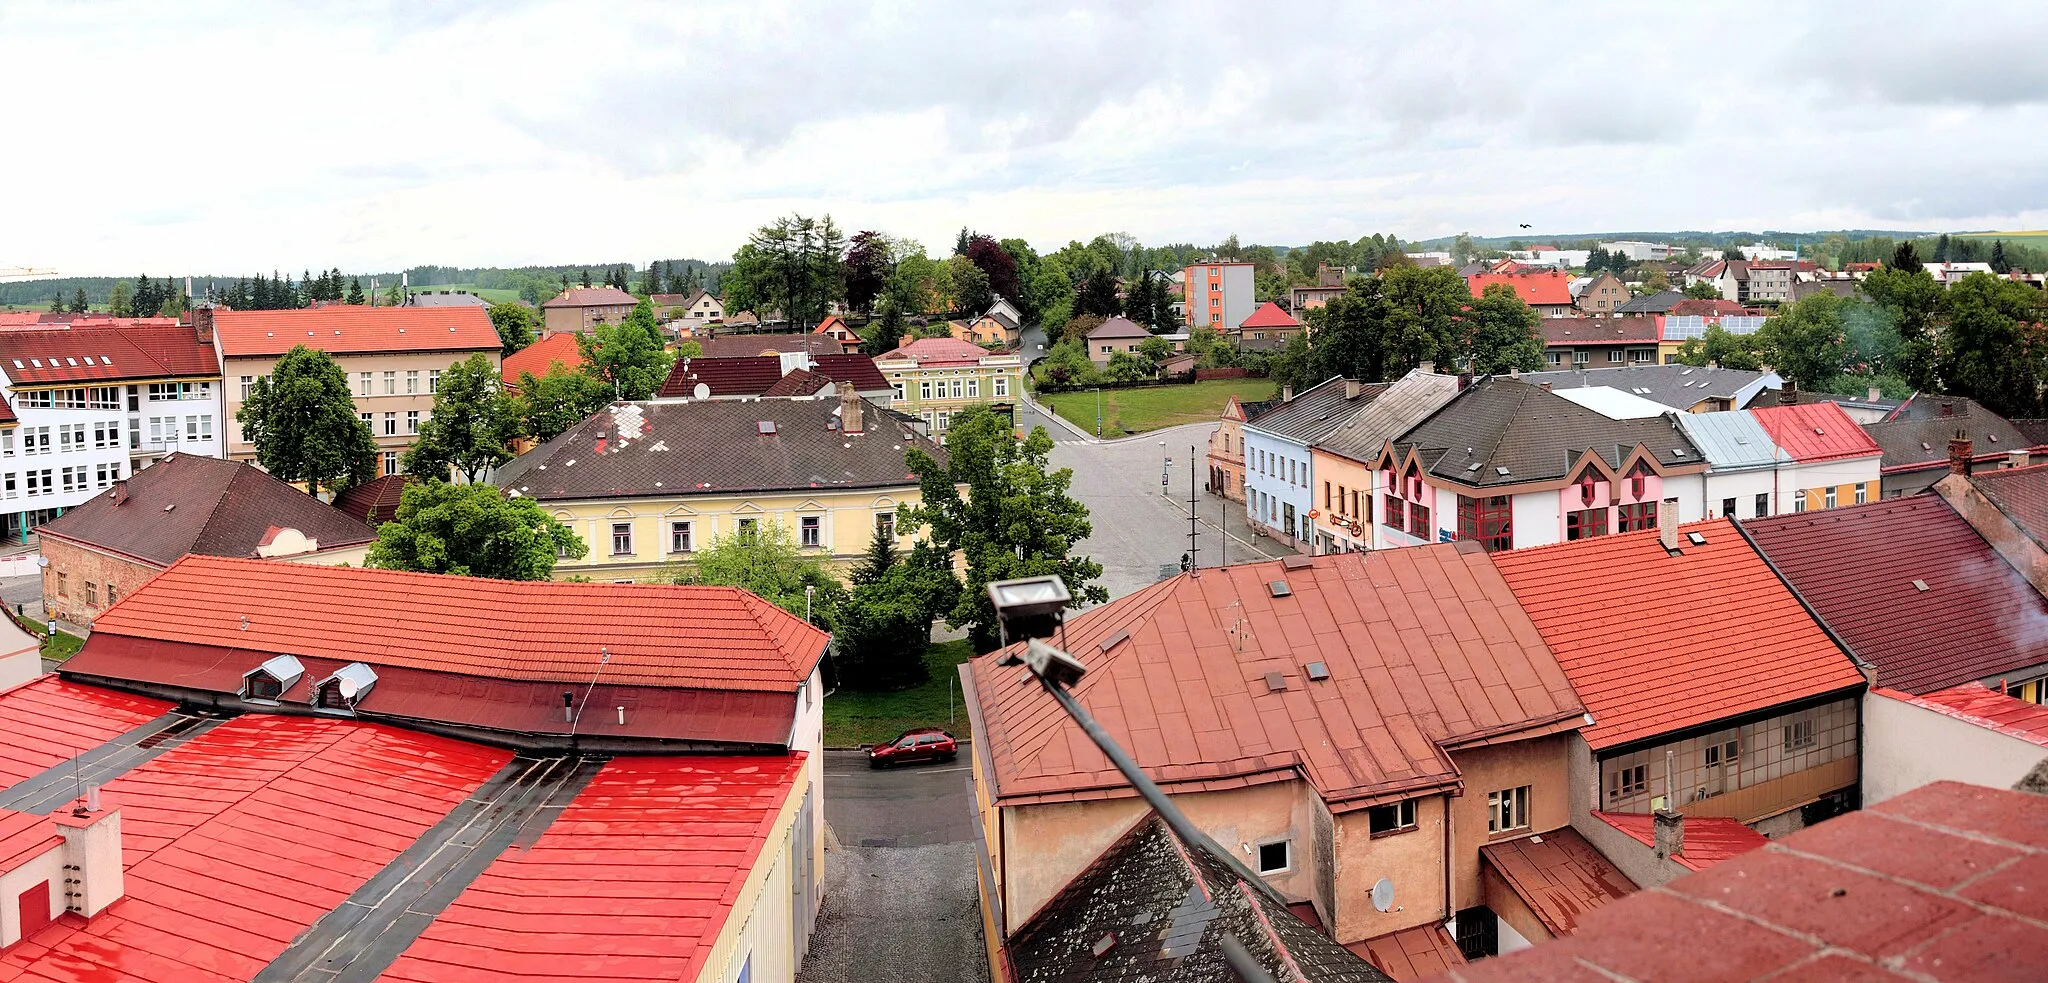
point(1217, 295)
point(86, 407)
point(393, 358)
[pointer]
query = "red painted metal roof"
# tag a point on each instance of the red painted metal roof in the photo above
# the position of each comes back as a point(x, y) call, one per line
point(105, 354)
point(1863, 566)
point(238, 841)
point(50, 720)
point(1656, 643)
point(1558, 875)
point(540, 356)
point(1424, 647)
point(1411, 953)
point(1818, 431)
point(1941, 883)
point(1985, 707)
point(1708, 839)
point(1551, 288)
point(633, 882)
point(23, 837)
point(719, 638)
point(350, 330)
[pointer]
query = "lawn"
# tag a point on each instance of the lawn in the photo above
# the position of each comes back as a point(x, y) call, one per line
point(64, 646)
point(1130, 411)
point(853, 719)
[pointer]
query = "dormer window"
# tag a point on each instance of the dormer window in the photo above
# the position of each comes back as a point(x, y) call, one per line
point(343, 691)
point(267, 683)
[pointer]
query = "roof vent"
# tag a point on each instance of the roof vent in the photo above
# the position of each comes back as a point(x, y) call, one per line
point(1502, 471)
point(1680, 451)
point(1114, 640)
point(766, 426)
point(1297, 562)
point(1318, 671)
point(1276, 682)
point(1279, 588)
point(1920, 585)
point(1474, 466)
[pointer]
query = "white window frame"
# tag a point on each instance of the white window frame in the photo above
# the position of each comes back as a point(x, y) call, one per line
point(1259, 856)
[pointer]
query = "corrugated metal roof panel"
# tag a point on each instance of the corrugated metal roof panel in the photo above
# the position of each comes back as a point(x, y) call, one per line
point(1732, 441)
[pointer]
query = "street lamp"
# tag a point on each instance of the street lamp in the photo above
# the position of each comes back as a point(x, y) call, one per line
point(1165, 468)
point(1098, 411)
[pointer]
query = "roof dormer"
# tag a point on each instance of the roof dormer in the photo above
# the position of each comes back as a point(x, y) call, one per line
point(266, 684)
point(341, 692)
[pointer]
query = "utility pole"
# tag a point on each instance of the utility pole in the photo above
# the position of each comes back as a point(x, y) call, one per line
point(1194, 559)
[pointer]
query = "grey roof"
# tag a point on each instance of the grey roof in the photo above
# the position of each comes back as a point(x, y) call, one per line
point(1405, 403)
point(458, 298)
point(1505, 432)
point(1677, 386)
point(664, 448)
point(1916, 435)
point(205, 505)
point(1732, 441)
point(1313, 414)
point(1656, 303)
point(1862, 402)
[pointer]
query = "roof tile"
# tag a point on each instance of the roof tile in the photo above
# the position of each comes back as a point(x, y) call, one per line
point(541, 357)
point(105, 354)
point(347, 330)
point(191, 504)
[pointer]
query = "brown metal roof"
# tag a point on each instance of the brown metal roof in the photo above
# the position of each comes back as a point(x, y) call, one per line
point(187, 504)
point(1558, 875)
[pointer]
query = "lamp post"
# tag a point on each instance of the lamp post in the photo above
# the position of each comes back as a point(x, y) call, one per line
point(1165, 468)
point(1098, 411)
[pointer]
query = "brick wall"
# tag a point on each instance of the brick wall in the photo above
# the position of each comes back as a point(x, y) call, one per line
point(80, 567)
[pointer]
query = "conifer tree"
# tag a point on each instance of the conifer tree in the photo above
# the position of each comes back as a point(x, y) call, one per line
point(355, 291)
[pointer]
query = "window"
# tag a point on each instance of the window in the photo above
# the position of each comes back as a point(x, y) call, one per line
point(1396, 818)
point(885, 524)
point(1829, 496)
point(1585, 524)
point(1862, 494)
point(1507, 809)
point(70, 437)
point(1581, 357)
point(163, 429)
point(199, 427)
point(974, 389)
point(679, 540)
point(7, 443)
point(944, 419)
point(75, 478)
point(1640, 357)
point(1641, 515)
point(106, 398)
point(809, 529)
point(1273, 857)
point(39, 482)
point(747, 527)
point(92, 594)
point(1106, 349)
point(41, 399)
point(1728, 508)
point(1799, 501)
point(368, 418)
point(363, 384)
point(106, 434)
point(390, 382)
point(61, 590)
point(1418, 521)
point(622, 539)
point(1763, 505)
point(898, 386)
point(1486, 520)
point(1002, 386)
point(111, 598)
point(248, 387)
point(924, 389)
point(412, 382)
point(412, 421)
point(105, 475)
point(7, 486)
point(390, 462)
point(1799, 734)
point(957, 391)
point(35, 440)
point(1326, 495)
point(1627, 782)
point(390, 423)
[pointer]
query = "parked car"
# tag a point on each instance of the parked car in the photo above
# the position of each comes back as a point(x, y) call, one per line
point(917, 744)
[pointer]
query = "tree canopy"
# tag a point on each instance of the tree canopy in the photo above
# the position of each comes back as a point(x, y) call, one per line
point(629, 357)
point(303, 423)
point(517, 326)
point(549, 405)
point(767, 561)
point(472, 531)
point(471, 428)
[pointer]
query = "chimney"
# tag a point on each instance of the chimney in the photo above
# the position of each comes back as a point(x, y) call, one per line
point(1287, 394)
point(120, 491)
point(1353, 389)
point(1670, 833)
point(1545, 384)
point(2016, 459)
point(1958, 452)
point(1875, 395)
point(202, 323)
point(1667, 524)
point(1948, 408)
point(849, 411)
point(92, 853)
point(1427, 367)
point(1464, 381)
point(1789, 395)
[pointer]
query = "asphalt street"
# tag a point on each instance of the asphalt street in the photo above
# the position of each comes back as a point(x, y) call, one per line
point(899, 876)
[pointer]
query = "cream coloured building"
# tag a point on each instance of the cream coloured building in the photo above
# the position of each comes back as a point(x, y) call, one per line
point(936, 378)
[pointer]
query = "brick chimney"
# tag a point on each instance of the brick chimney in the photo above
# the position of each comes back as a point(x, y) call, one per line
point(1789, 395)
point(1426, 367)
point(1959, 452)
point(849, 410)
point(202, 323)
point(1670, 833)
point(2017, 459)
point(120, 491)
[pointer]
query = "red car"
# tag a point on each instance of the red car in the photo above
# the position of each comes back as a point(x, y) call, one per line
point(919, 744)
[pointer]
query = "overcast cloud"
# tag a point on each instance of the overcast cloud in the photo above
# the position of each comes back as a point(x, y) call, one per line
point(229, 137)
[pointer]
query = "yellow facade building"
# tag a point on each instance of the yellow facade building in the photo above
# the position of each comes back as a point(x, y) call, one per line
point(936, 378)
point(648, 485)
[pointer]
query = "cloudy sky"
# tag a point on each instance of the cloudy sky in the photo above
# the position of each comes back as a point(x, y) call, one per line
point(228, 137)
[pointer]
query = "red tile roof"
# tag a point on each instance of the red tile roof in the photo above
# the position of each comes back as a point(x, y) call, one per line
point(1985, 707)
point(1558, 875)
point(592, 297)
point(1818, 431)
point(375, 502)
point(1269, 315)
point(1708, 839)
point(1425, 649)
point(1942, 883)
point(50, 721)
point(938, 352)
point(634, 882)
point(2020, 493)
point(105, 355)
point(1551, 288)
point(191, 504)
point(1858, 566)
point(1572, 331)
point(539, 357)
point(718, 638)
point(1656, 643)
point(854, 369)
point(355, 330)
point(751, 376)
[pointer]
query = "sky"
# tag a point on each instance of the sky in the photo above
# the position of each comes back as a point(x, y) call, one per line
point(233, 137)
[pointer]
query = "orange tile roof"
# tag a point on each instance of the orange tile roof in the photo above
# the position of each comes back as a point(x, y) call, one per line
point(347, 330)
point(657, 635)
point(1553, 288)
point(592, 297)
point(539, 356)
point(1425, 649)
point(1657, 643)
point(1818, 431)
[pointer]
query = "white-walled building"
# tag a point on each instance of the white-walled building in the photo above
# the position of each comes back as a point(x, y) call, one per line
point(1279, 478)
point(1638, 251)
point(88, 406)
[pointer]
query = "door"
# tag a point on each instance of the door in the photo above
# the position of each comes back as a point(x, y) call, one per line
point(35, 909)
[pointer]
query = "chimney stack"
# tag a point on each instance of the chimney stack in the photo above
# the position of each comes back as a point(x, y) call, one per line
point(1353, 389)
point(1427, 367)
point(120, 491)
point(1667, 524)
point(1670, 833)
point(202, 323)
point(2017, 459)
point(1959, 452)
point(1464, 381)
point(1875, 394)
point(1789, 395)
point(1948, 408)
point(849, 410)
point(1545, 384)
point(1287, 394)
point(92, 850)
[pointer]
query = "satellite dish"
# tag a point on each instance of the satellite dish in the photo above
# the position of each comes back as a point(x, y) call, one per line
point(1383, 895)
point(703, 391)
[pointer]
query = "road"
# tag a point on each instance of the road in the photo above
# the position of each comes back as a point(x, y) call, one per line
point(899, 876)
point(1141, 532)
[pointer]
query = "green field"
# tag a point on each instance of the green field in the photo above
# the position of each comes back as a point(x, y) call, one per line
point(495, 296)
point(853, 719)
point(1132, 411)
